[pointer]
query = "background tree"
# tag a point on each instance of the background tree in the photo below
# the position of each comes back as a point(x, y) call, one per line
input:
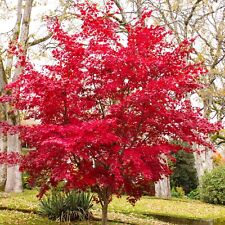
point(184, 172)
point(19, 42)
point(109, 106)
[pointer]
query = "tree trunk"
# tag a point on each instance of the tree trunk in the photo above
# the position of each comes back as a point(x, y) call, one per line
point(203, 162)
point(19, 37)
point(3, 166)
point(104, 195)
point(162, 188)
point(14, 176)
point(3, 81)
point(105, 213)
point(21, 31)
point(24, 35)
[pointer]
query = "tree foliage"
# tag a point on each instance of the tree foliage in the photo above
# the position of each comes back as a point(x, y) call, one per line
point(184, 172)
point(110, 106)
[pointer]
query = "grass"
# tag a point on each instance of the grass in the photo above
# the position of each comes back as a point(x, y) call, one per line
point(119, 210)
point(21, 201)
point(15, 204)
point(183, 208)
point(14, 217)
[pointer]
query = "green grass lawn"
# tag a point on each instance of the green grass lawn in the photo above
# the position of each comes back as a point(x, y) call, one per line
point(174, 207)
point(13, 207)
point(119, 210)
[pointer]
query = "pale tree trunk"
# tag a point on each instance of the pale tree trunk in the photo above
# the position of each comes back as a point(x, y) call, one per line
point(19, 37)
point(2, 118)
point(204, 156)
point(24, 34)
point(15, 36)
point(162, 188)
point(14, 176)
point(3, 166)
point(203, 161)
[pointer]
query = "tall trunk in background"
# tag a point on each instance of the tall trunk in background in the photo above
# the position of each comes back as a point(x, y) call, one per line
point(162, 188)
point(2, 118)
point(14, 177)
point(203, 162)
point(19, 36)
point(3, 166)
point(203, 156)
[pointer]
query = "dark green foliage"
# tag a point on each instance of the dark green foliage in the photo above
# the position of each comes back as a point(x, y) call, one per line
point(194, 194)
point(213, 186)
point(184, 173)
point(68, 206)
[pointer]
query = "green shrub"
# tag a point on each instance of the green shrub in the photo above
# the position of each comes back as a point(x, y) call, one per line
point(178, 192)
point(68, 206)
point(213, 186)
point(194, 194)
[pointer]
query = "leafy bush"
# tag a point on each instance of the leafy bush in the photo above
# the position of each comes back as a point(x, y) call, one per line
point(194, 194)
point(67, 206)
point(213, 186)
point(178, 192)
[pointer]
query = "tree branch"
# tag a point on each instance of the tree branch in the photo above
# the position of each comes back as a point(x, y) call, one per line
point(117, 3)
point(186, 22)
point(40, 40)
point(3, 80)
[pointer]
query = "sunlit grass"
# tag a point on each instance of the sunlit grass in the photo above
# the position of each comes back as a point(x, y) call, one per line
point(119, 210)
point(27, 201)
point(173, 207)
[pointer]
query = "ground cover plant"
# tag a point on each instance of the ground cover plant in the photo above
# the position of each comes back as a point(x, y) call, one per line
point(109, 110)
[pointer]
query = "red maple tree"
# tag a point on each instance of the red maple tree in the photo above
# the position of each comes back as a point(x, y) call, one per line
point(110, 108)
